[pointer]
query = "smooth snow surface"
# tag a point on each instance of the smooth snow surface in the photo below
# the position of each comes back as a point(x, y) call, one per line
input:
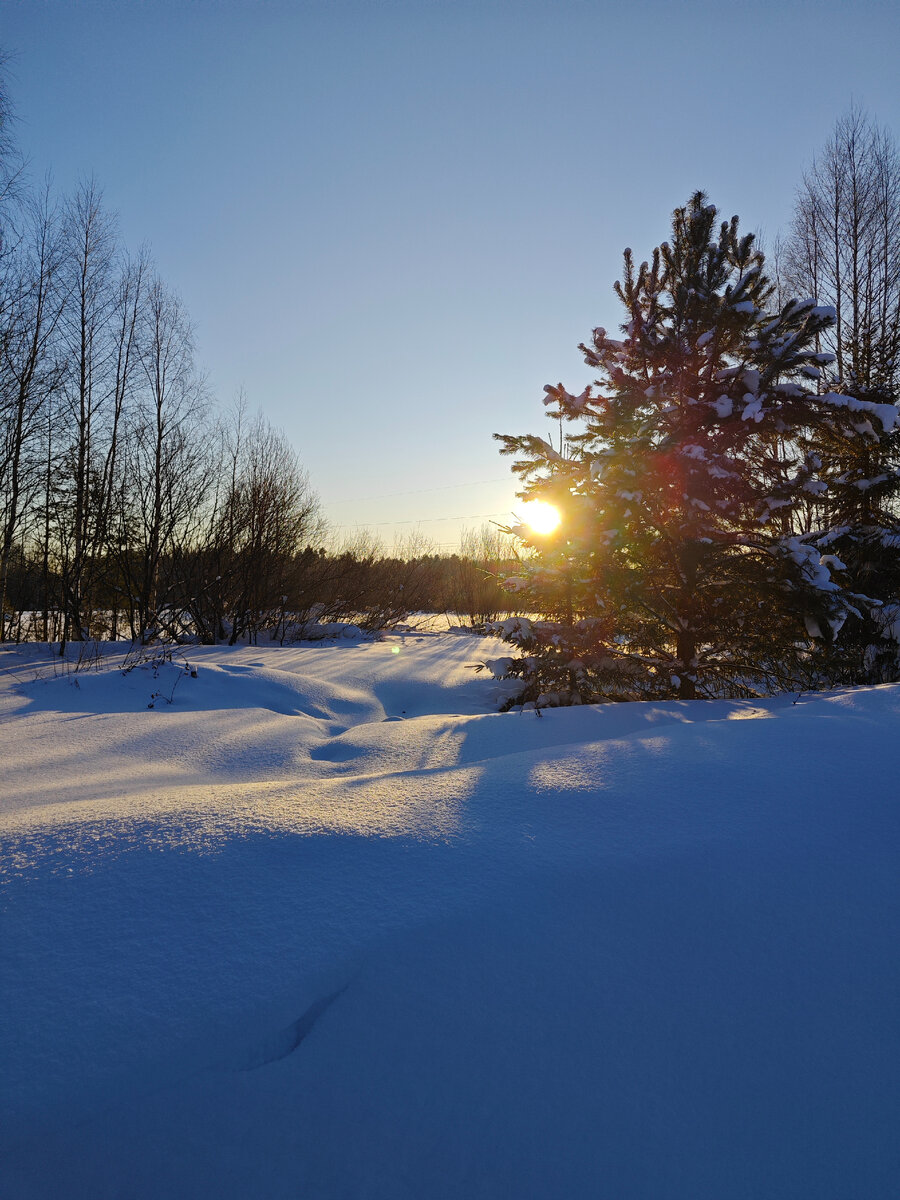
point(329, 926)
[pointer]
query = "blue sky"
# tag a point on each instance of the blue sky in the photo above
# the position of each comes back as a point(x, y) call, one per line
point(393, 222)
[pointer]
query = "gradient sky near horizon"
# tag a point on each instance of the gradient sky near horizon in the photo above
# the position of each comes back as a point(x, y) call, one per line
point(393, 222)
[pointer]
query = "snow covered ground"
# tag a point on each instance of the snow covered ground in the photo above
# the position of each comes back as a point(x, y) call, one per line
point(326, 925)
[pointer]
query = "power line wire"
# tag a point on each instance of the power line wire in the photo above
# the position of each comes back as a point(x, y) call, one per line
point(426, 520)
point(421, 491)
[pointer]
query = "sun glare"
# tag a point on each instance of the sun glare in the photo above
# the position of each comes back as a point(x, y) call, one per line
point(541, 516)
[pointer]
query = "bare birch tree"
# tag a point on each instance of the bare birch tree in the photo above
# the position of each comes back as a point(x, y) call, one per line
point(844, 249)
point(167, 460)
point(249, 569)
point(29, 371)
point(87, 324)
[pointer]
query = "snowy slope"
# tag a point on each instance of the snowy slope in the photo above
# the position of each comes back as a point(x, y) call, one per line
point(327, 925)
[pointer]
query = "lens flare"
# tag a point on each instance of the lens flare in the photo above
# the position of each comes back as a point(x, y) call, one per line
point(540, 516)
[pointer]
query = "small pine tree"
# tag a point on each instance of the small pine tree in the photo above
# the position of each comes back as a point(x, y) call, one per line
point(686, 564)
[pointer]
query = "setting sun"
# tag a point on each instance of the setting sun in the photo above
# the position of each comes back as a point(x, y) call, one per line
point(541, 516)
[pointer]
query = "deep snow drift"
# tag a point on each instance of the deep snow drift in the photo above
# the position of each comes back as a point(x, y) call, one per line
point(326, 925)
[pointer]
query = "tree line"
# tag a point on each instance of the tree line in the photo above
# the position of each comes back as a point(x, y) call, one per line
point(130, 504)
point(730, 484)
point(117, 477)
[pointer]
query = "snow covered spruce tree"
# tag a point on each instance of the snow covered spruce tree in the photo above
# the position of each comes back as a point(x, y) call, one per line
point(844, 247)
point(688, 559)
point(862, 539)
